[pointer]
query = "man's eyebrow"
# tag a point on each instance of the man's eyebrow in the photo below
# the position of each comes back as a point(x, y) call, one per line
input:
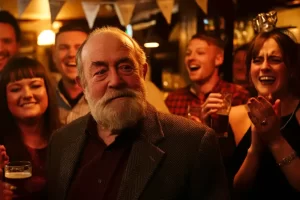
point(98, 63)
point(124, 60)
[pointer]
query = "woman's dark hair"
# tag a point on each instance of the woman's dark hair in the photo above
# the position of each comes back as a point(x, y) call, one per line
point(18, 68)
point(289, 50)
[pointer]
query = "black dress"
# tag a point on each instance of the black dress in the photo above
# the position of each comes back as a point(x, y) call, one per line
point(270, 181)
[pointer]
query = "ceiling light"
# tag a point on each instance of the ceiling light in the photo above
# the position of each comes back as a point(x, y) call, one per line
point(46, 37)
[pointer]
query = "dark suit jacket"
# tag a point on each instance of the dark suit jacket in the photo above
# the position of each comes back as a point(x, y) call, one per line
point(173, 158)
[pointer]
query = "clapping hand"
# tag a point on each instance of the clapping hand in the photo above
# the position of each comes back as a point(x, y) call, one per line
point(265, 118)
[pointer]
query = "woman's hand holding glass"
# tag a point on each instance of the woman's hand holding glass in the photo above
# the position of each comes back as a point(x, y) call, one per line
point(6, 192)
point(4, 159)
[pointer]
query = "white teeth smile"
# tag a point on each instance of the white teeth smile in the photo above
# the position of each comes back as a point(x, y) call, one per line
point(194, 67)
point(28, 104)
point(267, 78)
point(71, 64)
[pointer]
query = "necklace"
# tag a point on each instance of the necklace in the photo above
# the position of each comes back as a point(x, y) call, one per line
point(286, 123)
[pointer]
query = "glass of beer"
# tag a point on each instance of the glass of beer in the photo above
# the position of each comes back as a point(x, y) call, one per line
point(194, 110)
point(18, 173)
point(220, 121)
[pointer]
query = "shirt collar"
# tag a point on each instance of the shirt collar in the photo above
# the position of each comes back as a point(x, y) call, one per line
point(216, 88)
point(127, 134)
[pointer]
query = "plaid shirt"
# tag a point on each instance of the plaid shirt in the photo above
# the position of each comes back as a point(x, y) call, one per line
point(178, 101)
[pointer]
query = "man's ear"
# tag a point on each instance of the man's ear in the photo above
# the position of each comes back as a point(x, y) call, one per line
point(219, 59)
point(79, 82)
point(144, 70)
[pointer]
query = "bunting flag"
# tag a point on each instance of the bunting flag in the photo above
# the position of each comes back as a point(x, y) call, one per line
point(203, 5)
point(90, 10)
point(22, 5)
point(166, 7)
point(124, 10)
point(55, 7)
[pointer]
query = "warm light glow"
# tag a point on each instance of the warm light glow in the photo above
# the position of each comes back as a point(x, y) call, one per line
point(56, 24)
point(151, 45)
point(46, 37)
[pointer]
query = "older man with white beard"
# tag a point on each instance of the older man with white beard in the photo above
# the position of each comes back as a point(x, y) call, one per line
point(125, 149)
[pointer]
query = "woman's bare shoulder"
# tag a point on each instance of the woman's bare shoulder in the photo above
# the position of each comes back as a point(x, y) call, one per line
point(239, 121)
point(238, 113)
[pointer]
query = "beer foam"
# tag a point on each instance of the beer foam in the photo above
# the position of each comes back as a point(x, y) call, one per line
point(18, 175)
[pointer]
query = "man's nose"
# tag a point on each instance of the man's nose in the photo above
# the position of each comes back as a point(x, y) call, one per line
point(190, 56)
point(116, 80)
point(72, 52)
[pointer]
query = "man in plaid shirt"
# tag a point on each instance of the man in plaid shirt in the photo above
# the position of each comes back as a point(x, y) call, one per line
point(204, 55)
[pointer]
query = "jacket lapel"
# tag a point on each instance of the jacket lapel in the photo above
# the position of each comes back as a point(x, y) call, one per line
point(70, 156)
point(144, 158)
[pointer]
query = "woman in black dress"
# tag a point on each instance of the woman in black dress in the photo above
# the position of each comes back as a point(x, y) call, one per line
point(266, 130)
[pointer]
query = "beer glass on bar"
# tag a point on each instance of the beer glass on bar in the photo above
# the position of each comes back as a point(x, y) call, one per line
point(220, 121)
point(17, 173)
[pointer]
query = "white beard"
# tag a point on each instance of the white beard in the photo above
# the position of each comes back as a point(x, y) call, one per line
point(117, 114)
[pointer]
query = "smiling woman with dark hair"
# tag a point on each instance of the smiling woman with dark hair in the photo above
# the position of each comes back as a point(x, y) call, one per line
point(267, 134)
point(29, 115)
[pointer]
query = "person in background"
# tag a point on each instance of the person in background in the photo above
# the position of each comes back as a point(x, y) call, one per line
point(126, 149)
point(239, 69)
point(70, 97)
point(266, 161)
point(10, 36)
point(29, 115)
point(204, 55)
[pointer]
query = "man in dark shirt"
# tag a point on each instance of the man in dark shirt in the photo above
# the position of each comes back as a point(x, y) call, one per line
point(69, 95)
point(125, 149)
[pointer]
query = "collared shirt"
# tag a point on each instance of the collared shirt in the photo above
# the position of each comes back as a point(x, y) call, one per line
point(178, 101)
point(67, 112)
point(101, 167)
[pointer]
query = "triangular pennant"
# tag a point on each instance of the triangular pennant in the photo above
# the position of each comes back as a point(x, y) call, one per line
point(203, 5)
point(22, 5)
point(55, 7)
point(166, 7)
point(124, 10)
point(90, 10)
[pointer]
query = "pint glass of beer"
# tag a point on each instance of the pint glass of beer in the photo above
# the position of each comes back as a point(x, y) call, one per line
point(220, 121)
point(17, 173)
point(194, 110)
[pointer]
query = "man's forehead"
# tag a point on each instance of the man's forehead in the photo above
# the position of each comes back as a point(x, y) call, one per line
point(106, 38)
point(105, 42)
point(7, 30)
point(67, 34)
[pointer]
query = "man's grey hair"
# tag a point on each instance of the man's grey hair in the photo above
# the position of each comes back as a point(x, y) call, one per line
point(139, 52)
